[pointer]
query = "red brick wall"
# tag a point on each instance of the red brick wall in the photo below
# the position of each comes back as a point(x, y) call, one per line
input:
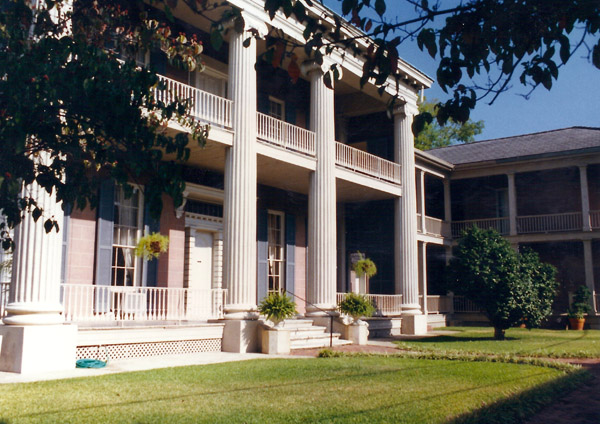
point(171, 263)
point(81, 247)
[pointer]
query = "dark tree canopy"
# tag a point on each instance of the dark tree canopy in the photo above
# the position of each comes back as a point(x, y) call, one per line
point(510, 287)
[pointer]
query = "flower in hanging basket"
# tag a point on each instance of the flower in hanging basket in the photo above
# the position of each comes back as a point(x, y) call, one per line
point(365, 267)
point(151, 246)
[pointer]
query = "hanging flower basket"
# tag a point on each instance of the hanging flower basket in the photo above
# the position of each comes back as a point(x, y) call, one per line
point(152, 246)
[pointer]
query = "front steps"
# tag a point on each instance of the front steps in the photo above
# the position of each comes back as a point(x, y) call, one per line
point(304, 334)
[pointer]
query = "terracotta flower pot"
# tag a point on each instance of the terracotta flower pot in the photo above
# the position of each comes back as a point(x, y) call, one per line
point(576, 323)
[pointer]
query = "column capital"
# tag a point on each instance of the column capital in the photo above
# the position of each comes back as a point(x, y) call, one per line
point(251, 23)
point(582, 167)
point(309, 66)
point(405, 109)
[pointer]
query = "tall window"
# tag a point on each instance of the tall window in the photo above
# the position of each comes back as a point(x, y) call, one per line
point(126, 267)
point(276, 258)
point(277, 108)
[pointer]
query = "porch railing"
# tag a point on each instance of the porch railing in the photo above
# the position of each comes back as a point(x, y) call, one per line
point(595, 220)
point(365, 163)
point(437, 304)
point(549, 223)
point(385, 304)
point(502, 225)
point(205, 106)
point(288, 136)
point(435, 226)
point(3, 297)
point(90, 303)
point(462, 304)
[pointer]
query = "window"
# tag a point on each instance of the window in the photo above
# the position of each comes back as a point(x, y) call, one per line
point(126, 267)
point(277, 108)
point(276, 258)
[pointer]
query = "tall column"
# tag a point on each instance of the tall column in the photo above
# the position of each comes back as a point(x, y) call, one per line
point(421, 199)
point(512, 204)
point(217, 278)
point(405, 212)
point(589, 270)
point(447, 200)
point(585, 198)
point(342, 272)
point(322, 197)
point(239, 217)
point(423, 273)
point(34, 338)
point(34, 297)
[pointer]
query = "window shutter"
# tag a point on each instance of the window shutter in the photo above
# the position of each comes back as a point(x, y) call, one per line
point(262, 247)
point(290, 113)
point(262, 104)
point(151, 225)
point(290, 253)
point(104, 239)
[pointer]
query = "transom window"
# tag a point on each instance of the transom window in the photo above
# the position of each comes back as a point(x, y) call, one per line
point(276, 108)
point(126, 267)
point(276, 257)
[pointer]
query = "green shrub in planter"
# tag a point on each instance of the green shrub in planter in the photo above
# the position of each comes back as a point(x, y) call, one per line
point(356, 305)
point(581, 303)
point(277, 307)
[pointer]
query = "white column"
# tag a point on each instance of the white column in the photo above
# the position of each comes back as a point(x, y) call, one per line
point(342, 272)
point(239, 220)
point(447, 200)
point(34, 297)
point(512, 204)
point(322, 198)
point(589, 270)
point(217, 279)
point(585, 198)
point(421, 200)
point(406, 257)
point(423, 273)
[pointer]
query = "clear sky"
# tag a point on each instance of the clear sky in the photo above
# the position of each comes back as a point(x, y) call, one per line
point(574, 99)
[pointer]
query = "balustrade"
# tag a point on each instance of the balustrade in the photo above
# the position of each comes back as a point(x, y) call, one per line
point(362, 162)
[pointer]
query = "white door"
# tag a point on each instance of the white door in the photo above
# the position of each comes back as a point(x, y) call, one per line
point(200, 275)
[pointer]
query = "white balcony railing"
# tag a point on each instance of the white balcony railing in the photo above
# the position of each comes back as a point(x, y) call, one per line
point(90, 303)
point(437, 227)
point(365, 163)
point(501, 225)
point(206, 107)
point(280, 133)
point(439, 304)
point(3, 297)
point(385, 304)
point(549, 223)
point(595, 220)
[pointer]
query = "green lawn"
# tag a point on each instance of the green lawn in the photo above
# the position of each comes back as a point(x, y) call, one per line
point(519, 341)
point(365, 389)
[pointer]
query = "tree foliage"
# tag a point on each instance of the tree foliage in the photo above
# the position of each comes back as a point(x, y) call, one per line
point(435, 135)
point(76, 109)
point(510, 287)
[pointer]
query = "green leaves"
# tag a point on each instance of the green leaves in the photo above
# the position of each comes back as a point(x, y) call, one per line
point(380, 7)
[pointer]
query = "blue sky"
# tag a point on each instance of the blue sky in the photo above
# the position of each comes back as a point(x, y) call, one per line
point(574, 99)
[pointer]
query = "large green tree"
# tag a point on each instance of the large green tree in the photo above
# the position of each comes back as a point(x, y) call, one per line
point(510, 287)
point(435, 135)
point(76, 109)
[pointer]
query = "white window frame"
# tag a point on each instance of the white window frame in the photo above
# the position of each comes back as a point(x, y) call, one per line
point(137, 262)
point(279, 102)
point(273, 286)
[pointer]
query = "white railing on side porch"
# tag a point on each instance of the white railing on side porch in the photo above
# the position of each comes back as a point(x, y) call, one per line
point(437, 304)
point(501, 225)
point(206, 107)
point(4, 285)
point(571, 221)
point(462, 304)
point(436, 227)
point(91, 303)
point(386, 305)
point(365, 163)
point(595, 220)
point(282, 134)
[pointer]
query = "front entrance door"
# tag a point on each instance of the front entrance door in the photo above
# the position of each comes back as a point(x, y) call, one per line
point(200, 273)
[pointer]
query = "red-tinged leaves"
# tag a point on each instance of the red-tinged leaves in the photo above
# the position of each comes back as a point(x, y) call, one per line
point(278, 54)
point(368, 25)
point(294, 70)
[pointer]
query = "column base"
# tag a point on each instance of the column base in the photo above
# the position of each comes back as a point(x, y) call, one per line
point(241, 336)
point(411, 309)
point(243, 312)
point(321, 311)
point(414, 325)
point(32, 313)
point(37, 348)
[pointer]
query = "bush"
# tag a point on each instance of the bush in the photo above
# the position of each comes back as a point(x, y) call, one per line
point(356, 305)
point(581, 303)
point(277, 307)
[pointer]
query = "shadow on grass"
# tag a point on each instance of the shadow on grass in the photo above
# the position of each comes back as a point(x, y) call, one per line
point(522, 406)
point(446, 339)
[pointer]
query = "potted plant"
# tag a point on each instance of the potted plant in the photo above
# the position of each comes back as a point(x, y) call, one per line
point(276, 307)
point(579, 307)
point(151, 246)
point(356, 306)
point(364, 267)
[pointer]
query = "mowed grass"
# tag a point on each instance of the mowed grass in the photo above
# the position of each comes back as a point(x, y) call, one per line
point(519, 341)
point(362, 389)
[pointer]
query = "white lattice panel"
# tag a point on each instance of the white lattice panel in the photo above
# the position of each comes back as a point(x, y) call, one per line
point(140, 350)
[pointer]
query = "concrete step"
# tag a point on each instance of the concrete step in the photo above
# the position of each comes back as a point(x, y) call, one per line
point(308, 332)
point(297, 323)
point(317, 342)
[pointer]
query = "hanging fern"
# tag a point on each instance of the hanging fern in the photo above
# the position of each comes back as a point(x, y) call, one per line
point(151, 246)
point(365, 267)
